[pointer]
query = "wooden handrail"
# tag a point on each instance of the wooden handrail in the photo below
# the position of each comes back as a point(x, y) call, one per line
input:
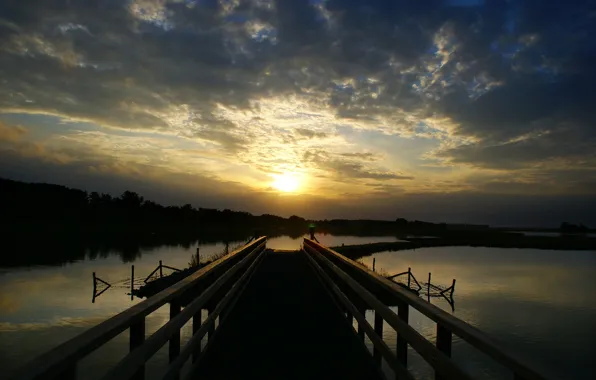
point(444, 320)
point(137, 358)
point(62, 358)
point(440, 362)
point(377, 340)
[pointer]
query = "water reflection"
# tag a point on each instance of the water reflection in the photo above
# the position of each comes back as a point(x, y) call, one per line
point(539, 304)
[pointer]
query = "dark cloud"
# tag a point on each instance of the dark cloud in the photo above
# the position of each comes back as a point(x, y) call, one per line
point(575, 146)
point(309, 133)
point(348, 167)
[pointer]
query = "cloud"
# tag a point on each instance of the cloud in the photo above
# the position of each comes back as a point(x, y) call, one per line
point(263, 87)
point(309, 133)
point(11, 133)
point(346, 167)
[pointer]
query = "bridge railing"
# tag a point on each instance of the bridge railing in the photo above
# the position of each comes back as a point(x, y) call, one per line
point(356, 288)
point(229, 275)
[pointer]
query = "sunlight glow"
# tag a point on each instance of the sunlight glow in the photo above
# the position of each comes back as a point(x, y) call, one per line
point(287, 183)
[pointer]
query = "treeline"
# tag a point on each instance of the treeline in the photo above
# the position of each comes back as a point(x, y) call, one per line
point(570, 228)
point(59, 207)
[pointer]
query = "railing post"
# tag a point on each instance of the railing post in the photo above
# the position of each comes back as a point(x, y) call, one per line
point(137, 338)
point(69, 373)
point(379, 331)
point(443, 343)
point(132, 281)
point(428, 288)
point(211, 330)
point(403, 312)
point(196, 325)
point(360, 329)
point(174, 348)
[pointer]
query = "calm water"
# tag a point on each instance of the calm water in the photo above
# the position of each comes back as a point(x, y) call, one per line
point(553, 234)
point(541, 303)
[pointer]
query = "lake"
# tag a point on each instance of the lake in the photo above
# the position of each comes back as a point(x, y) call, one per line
point(541, 303)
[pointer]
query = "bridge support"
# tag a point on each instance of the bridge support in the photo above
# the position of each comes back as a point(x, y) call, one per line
point(137, 338)
point(360, 328)
point(379, 331)
point(212, 327)
point(403, 312)
point(443, 343)
point(174, 349)
point(196, 325)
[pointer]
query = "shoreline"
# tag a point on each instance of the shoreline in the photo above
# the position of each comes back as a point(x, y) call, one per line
point(522, 242)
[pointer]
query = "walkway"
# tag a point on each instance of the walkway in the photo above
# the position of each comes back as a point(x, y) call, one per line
point(286, 326)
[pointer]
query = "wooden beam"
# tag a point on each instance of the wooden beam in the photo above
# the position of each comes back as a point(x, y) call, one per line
point(379, 331)
point(403, 312)
point(444, 337)
point(174, 348)
point(137, 338)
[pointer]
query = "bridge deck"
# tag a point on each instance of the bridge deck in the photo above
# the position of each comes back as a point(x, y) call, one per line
point(285, 325)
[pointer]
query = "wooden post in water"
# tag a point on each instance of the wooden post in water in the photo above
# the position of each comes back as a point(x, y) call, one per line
point(428, 288)
point(409, 275)
point(198, 257)
point(132, 281)
point(160, 269)
point(374, 262)
point(94, 288)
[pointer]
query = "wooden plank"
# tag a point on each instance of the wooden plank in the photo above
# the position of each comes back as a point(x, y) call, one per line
point(377, 341)
point(427, 350)
point(458, 327)
point(50, 363)
point(127, 366)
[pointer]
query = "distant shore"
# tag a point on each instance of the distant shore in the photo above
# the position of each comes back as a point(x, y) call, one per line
point(571, 243)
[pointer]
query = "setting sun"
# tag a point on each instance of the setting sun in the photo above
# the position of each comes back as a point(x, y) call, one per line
point(285, 182)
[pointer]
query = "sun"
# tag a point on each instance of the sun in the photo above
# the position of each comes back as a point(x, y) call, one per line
point(287, 183)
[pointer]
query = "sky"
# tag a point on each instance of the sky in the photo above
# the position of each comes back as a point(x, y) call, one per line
point(473, 111)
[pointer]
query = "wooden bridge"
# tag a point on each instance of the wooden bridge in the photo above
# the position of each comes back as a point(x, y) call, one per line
point(279, 315)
